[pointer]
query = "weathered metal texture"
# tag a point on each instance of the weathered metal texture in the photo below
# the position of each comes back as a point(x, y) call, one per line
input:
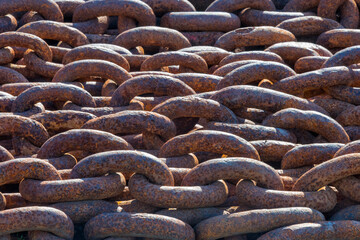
point(16, 89)
point(253, 17)
point(137, 225)
point(52, 92)
point(353, 132)
point(135, 206)
point(6, 142)
point(301, 5)
point(5, 155)
point(233, 168)
point(9, 75)
point(91, 67)
point(81, 139)
point(67, 7)
point(348, 213)
point(47, 8)
point(14, 200)
point(94, 29)
point(210, 195)
point(101, 111)
point(128, 8)
point(55, 31)
point(158, 85)
point(231, 6)
point(308, 120)
point(41, 235)
point(6, 103)
point(124, 24)
point(150, 102)
point(292, 51)
point(2, 202)
point(327, 9)
point(348, 187)
point(13, 171)
point(22, 147)
point(72, 189)
point(8, 23)
point(349, 14)
point(67, 161)
point(251, 55)
point(261, 98)
point(39, 66)
point(139, 73)
point(339, 38)
point(209, 141)
point(308, 155)
point(5, 94)
point(296, 172)
point(202, 38)
point(183, 59)
point(200, 21)
point(256, 72)
point(194, 107)
point(328, 172)
point(59, 53)
point(199, 82)
point(223, 70)
point(7, 54)
point(322, 78)
point(135, 61)
point(192, 216)
point(120, 238)
point(108, 88)
point(309, 25)
point(272, 150)
point(179, 174)
point(26, 40)
point(94, 88)
point(94, 51)
point(237, 237)
point(333, 89)
point(288, 182)
point(162, 7)
point(254, 221)
point(253, 36)
point(62, 120)
point(352, 147)
point(118, 49)
point(252, 114)
point(132, 122)
point(345, 57)
point(321, 230)
point(185, 161)
point(36, 218)
point(127, 161)
point(23, 127)
point(310, 63)
point(212, 55)
point(344, 93)
point(152, 36)
point(323, 200)
point(64, 173)
point(123, 196)
point(28, 17)
point(137, 141)
point(83, 211)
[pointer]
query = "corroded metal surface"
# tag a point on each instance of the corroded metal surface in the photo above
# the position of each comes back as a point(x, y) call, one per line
point(178, 119)
point(137, 225)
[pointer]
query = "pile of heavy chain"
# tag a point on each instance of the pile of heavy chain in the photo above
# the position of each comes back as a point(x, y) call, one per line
point(128, 119)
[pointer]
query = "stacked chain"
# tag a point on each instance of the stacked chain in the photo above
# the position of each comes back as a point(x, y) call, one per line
point(129, 119)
